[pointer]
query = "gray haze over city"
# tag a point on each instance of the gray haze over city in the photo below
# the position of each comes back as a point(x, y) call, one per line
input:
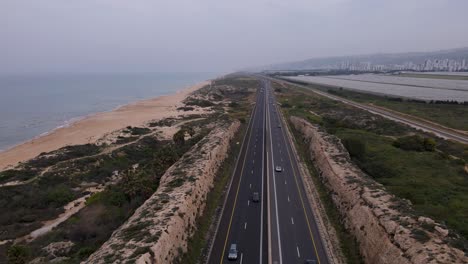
point(213, 35)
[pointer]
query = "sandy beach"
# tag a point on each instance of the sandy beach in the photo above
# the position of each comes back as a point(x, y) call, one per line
point(93, 127)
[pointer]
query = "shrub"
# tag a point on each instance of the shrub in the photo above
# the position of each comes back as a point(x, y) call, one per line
point(59, 195)
point(355, 147)
point(185, 108)
point(136, 131)
point(233, 104)
point(420, 235)
point(199, 102)
point(415, 143)
point(179, 137)
point(18, 254)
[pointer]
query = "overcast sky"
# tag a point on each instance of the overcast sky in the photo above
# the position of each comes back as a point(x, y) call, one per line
point(215, 35)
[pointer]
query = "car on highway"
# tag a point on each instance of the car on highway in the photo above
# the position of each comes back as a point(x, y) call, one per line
point(255, 197)
point(278, 169)
point(232, 252)
point(310, 261)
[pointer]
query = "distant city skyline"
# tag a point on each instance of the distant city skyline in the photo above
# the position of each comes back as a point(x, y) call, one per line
point(442, 64)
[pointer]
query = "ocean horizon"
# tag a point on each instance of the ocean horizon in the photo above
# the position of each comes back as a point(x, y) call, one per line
point(35, 104)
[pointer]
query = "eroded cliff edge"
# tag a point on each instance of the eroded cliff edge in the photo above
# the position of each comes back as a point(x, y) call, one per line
point(158, 231)
point(385, 228)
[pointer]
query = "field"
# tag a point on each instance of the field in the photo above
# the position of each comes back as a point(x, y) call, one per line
point(428, 171)
point(450, 115)
point(417, 82)
point(396, 90)
point(436, 76)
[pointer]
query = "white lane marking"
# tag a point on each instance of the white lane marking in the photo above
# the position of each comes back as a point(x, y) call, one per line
point(261, 193)
point(292, 220)
point(281, 159)
point(298, 254)
point(248, 202)
point(245, 225)
point(250, 186)
point(253, 161)
point(251, 172)
point(242, 256)
point(285, 182)
point(288, 199)
point(274, 190)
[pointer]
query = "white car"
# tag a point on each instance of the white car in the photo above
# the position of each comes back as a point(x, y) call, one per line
point(278, 169)
point(232, 252)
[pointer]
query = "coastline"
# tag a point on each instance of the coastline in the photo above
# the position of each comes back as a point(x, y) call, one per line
point(90, 128)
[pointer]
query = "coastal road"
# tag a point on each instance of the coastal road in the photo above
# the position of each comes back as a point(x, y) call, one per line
point(243, 221)
point(440, 131)
point(281, 227)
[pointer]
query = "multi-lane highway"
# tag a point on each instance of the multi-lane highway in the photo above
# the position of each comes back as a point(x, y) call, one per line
point(280, 227)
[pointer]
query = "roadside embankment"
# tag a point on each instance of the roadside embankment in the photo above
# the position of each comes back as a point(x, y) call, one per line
point(384, 226)
point(158, 231)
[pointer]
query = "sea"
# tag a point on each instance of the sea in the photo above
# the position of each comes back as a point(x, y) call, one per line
point(35, 104)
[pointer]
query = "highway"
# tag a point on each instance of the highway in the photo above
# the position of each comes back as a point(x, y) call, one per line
point(280, 228)
point(440, 131)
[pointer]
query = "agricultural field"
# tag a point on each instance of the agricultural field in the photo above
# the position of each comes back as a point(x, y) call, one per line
point(449, 115)
point(417, 82)
point(437, 75)
point(393, 88)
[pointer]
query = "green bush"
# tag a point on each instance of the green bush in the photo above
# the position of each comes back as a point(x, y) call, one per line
point(355, 146)
point(59, 195)
point(415, 143)
point(18, 254)
point(179, 137)
point(199, 102)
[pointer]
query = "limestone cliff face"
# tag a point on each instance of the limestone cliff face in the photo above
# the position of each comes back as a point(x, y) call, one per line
point(386, 234)
point(158, 231)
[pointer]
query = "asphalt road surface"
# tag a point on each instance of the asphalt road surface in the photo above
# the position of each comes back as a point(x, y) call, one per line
point(280, 228)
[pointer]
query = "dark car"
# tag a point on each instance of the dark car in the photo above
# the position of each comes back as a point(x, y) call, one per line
point(256, 197)
point(310, 261)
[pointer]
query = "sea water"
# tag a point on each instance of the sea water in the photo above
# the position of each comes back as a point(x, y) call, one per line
point(31, 105)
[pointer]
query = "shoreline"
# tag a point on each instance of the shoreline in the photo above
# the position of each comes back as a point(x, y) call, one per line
point(91, 127)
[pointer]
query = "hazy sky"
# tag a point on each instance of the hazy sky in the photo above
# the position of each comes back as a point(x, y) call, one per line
point(215, 35)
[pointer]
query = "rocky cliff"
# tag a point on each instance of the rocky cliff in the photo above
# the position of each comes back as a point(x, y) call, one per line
point(383, 225)
point(159, 229)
